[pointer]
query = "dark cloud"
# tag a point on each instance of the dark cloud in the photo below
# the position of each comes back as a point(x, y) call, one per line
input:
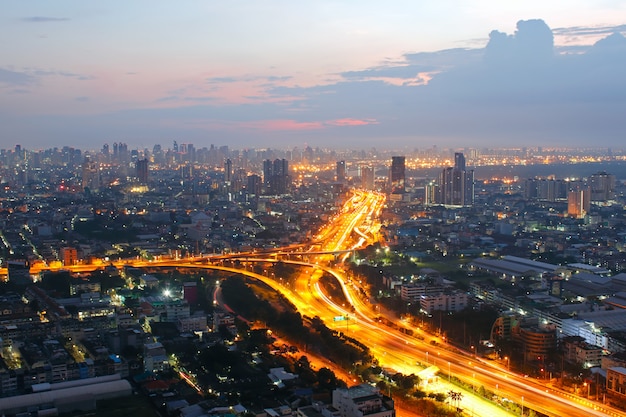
point(15, 78)
point(43, 19)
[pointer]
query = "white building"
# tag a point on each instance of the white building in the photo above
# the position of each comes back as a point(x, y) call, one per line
point(197, 322)
point(155, 358)
point(362, 400)
point(413, 291)
point(454, 301)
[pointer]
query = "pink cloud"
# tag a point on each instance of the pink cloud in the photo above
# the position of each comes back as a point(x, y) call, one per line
point(283, 124)
point(271, 125)
point(352, 122)
point(288, 124)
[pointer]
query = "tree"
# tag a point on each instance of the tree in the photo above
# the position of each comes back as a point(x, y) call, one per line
point(327, 379)
point(456, 397)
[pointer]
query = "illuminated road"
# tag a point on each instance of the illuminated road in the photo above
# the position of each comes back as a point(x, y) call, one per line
point(355, 226)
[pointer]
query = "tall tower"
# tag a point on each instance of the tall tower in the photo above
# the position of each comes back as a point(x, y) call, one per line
point(459, 161)
point(602, 187)
point(228, 171)
point(367, 177)
point(341, 171)
point(397, 175)
point(142, 170)
point(276, 177)
point(254, 184)
point(90, 175)
point(456, 185)
point(578, 203)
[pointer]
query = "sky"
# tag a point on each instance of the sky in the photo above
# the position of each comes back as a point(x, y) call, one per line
point(284, 73)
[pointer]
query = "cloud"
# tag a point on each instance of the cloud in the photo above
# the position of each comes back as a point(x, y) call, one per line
point(519, 89)
point(44, 19)
point(248, 78)
point(15, 78)
point(351, 122)
point(416, 68)
point(588, 30)
point(278, 125)
point(167, 98)
point(222, 80)
point(533, 41)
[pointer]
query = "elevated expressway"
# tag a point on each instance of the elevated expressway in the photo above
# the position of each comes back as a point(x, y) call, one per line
point(350, 229)
point(353, 227)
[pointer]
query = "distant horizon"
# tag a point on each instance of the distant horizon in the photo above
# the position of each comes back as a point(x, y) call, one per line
point(324, 74)
point(401, 151)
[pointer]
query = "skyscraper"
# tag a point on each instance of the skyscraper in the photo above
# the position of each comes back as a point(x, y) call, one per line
point(254, 184)
point(367, 177)
point(142, 170)
point(397, 175)
point(602, 187)
point(578, 202)
point(228, 171)
point(456, 184)
point(276, 177)
point(341, 171)
point(90, 175)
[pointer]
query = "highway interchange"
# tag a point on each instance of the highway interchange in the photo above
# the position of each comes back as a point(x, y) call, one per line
point(355, 226)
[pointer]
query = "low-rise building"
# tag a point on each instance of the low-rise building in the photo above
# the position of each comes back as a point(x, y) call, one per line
point(616, 382)
point(448, 301)
point(362, 400)
point(577, 350)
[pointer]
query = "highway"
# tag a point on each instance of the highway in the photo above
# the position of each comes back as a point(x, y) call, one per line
point(355, 226)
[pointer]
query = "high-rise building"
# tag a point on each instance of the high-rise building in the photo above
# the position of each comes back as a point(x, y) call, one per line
point(367, 177)
point(228, 171)
point(456, 184)
point(254, 184)
point(276, 177)
point(90, 175)
point(578, 203)
point(459, 161)
point(430, 192)
point(142, 170)
point(602, 187)
point(397, 175)
point(341, 171)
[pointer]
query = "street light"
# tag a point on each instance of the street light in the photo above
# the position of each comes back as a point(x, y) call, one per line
point(448, 371)
point(522, 405)
point(508, 368)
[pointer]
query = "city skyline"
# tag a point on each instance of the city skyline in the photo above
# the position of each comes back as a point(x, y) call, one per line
point(319, 74)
